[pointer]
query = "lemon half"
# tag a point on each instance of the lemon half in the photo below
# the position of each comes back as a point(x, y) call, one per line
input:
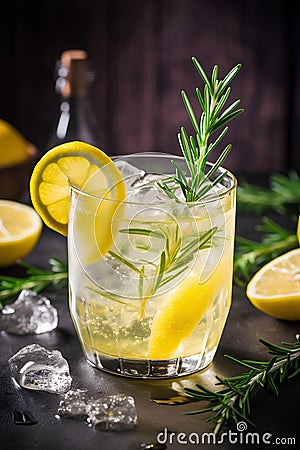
point(275, 288)
point(20, 229)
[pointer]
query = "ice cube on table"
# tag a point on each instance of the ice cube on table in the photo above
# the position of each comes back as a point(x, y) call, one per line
point(104, 412)
point(29, 314)
point(35, 367)
point(113, 413)
point(75, 404)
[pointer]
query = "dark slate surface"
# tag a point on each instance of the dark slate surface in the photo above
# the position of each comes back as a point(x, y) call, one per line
point(274, 415)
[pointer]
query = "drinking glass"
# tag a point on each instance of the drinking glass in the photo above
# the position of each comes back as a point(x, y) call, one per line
point(150, 278)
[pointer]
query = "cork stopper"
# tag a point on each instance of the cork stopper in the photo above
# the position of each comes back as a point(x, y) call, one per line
point(75, 63)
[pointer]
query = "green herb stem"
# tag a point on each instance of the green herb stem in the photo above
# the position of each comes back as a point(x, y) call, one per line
point(232, 403)
point(251, 255)
point(36, 279)
point(283, 191)
point(196, 149)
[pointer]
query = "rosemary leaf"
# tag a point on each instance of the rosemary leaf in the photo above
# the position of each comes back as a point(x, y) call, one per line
point(111, 297)
point(229, 77)
point(230, 108)
point(217, 141)
point(225, 119)
point(209, 186)
point(203, 74)
point(220, 104)
point(220, 160)
point(190, 111)
point(200, 98)
point(143, 232)
point(126, 262)
point(214, 75)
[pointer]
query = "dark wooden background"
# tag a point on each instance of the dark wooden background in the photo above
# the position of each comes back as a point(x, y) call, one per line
point(141, 52)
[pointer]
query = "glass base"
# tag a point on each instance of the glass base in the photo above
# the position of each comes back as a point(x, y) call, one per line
point(149, 369)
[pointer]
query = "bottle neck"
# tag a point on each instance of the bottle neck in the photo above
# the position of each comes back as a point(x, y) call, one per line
point(75, 102)
point(76, 76)
point(77, 121)
point(76, 117)
point(77, 109)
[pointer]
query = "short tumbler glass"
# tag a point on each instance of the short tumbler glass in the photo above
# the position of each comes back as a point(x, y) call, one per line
point(150, 279)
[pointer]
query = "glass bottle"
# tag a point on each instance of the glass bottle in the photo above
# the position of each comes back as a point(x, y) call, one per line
point(76, 119)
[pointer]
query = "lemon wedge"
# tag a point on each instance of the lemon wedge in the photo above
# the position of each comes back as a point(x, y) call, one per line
point(275, 288)
point(20, 229)
point(180, 312)
point(13, 146)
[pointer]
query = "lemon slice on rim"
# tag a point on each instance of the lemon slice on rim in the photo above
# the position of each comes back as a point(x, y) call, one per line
point(20, 229)
point(75, 163)
point(90, 170)
point(275, 288)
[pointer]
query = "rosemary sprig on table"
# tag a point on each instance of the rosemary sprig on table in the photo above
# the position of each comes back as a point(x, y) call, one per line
point(283, 190)
point(249, 255)
point(196, 150)
point(232, 402)
point(36, 279)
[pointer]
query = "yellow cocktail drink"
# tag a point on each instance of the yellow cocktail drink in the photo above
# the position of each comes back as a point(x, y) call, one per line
point(151, 278)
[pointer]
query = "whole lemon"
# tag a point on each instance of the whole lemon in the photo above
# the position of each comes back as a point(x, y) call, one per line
point(13, 146)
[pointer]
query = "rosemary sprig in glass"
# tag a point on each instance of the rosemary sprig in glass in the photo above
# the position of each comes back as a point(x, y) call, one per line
point(36, 279)
point(196, 150)
point(173, 261)
point(232, 402)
